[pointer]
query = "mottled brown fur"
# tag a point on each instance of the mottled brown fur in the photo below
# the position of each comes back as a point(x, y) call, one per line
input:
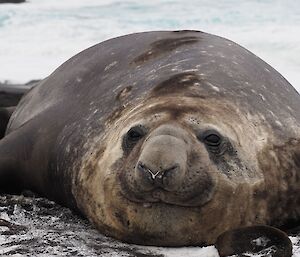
point(133, 219)
point(282, 181)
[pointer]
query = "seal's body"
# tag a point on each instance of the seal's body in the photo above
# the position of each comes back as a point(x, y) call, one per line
point(161, 138)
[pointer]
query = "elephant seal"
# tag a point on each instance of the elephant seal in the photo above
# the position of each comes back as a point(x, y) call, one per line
point(163, 138)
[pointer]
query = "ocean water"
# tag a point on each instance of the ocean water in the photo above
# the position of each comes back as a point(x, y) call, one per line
point(38, 36)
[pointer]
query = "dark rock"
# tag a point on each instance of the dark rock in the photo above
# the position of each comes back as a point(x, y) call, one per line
point(262, 240)
point(12, 1)
point(5, 114)
point(12, 228)
point(10, 94)
point(32, 82)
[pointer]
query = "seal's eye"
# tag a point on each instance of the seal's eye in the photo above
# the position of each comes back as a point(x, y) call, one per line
point(133, 136)
point(211, 138)
point(135, 133)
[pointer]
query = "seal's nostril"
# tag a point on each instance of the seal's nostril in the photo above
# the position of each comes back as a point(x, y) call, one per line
point(158, 177)
point(171, 169)
point(141, 167)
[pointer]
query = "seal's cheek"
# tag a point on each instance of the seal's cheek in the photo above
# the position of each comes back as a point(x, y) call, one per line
point(169, 221)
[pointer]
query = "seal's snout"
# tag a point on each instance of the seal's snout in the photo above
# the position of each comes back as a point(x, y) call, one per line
point(162, 162)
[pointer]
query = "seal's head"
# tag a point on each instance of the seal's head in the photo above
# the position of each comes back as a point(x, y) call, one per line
point(165, 165)
point(174, 171)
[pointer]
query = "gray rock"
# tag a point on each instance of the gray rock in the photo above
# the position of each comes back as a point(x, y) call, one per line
point(10, 94)
point(12, 1)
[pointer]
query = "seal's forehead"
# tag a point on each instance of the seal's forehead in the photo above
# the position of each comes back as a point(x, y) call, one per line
point(185, 110)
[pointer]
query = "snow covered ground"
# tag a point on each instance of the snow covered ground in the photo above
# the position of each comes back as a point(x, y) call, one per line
point(35, 226)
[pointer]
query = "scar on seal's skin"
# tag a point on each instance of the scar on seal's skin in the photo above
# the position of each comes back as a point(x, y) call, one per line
point(164, 45)
point(124, 93)
point(176, 83)
point(175, 111)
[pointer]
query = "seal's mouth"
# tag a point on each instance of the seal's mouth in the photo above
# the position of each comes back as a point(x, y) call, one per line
point(184, 198)
point(149, 202)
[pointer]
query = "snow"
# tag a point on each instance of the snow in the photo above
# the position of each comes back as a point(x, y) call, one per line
point(39, 227)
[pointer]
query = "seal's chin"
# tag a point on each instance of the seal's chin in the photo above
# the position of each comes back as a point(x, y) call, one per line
point(162, 196)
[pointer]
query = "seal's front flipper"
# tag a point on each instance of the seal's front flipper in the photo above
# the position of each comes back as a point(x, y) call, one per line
point(5, 114)
point(265, 240)
point(11, 162)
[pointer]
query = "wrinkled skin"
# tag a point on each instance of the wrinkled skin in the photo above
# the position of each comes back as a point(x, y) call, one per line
point(170, 140)
point(196, 193)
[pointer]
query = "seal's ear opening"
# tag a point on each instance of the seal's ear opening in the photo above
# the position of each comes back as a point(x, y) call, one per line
point(264, 240)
